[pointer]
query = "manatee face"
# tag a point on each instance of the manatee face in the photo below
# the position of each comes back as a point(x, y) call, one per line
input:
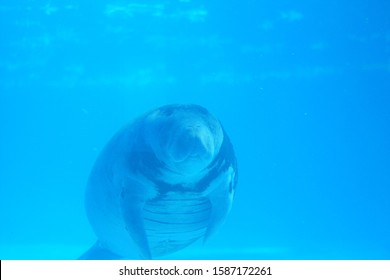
point(161, 183)
point(186, 139)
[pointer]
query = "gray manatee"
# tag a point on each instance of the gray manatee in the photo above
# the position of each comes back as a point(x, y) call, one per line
point(162, 182)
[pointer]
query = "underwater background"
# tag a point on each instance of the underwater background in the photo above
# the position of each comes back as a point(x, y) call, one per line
point(301, 87)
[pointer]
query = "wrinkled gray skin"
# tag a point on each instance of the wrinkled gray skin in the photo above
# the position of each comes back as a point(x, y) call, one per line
point(162, 182)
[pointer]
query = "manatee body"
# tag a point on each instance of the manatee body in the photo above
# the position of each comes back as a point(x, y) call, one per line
point(162, 182)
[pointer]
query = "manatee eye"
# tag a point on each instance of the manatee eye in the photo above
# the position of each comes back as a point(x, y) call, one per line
point(167, 112)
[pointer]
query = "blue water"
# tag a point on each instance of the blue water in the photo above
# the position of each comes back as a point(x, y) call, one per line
point(301, 87)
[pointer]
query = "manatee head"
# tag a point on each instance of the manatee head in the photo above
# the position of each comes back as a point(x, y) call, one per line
point(184, 138)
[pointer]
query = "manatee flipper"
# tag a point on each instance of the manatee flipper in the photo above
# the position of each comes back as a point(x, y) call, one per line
point(98, 252)
point(132, 211)
point(221, 201)
point(135, 227)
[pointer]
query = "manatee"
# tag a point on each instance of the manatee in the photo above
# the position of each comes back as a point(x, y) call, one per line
point(162, 182)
